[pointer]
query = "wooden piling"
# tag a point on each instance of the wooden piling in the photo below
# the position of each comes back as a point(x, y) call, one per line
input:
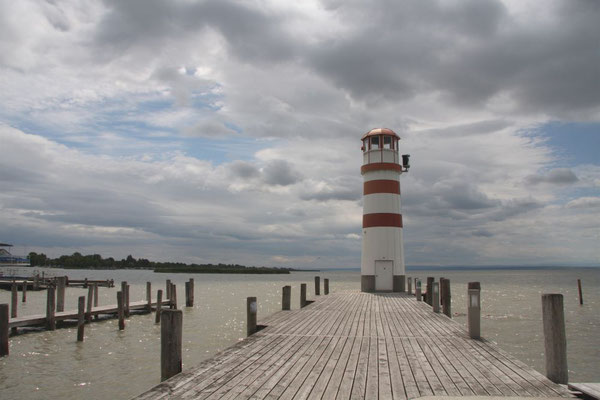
point(36, 282)
point(3, 330)
point(24, 299)
point(189, 293)
point(95, 295)
point(126, 301)
point(418, 289)
point(171, 337)
point(173, 304)
point(435, 297)
point(286, 298)
point(302, 295)
point(158, 305)
point(149, 296)
point(50, 308)
point(251, 311)
point(90, 300)
point(14, 300)
point(580, 292)
point(61, 284)
point(447, 298)
point(80, 318)
point(441, 291)
point(429, 288)
point(410, 286)
point(326, 286)
point(474, 311)
point(555, 339)
point(121, 310)
point(168, 290)
point(317, 286)
point(192, 289)
point(124, 294)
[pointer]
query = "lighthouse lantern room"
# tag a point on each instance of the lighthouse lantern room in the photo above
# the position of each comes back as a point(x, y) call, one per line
point(382, 264)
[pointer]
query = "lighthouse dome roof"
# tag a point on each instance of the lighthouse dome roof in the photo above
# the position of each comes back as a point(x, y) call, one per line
point(380, 131)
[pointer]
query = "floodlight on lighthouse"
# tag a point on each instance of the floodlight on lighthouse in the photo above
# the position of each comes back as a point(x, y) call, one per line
point(406, 161)
point(382, 262)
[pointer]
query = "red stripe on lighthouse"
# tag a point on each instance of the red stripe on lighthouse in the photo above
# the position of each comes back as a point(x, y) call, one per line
point(382, 219)
point(381, 186)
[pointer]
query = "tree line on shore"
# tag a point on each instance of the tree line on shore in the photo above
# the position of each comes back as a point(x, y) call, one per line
point(95, 261)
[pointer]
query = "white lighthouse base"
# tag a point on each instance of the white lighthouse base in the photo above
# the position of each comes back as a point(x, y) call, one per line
point(367, 284)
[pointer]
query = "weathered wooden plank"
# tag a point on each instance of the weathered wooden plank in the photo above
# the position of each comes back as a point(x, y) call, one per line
point(358, 345)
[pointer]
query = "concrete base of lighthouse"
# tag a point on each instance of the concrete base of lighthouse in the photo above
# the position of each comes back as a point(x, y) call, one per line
point(399, 283)
point(367, 283)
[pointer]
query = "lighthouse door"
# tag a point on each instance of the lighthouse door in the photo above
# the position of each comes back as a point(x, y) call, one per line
point(384, 275)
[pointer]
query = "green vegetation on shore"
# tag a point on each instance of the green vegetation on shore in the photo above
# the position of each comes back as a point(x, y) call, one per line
point(95, 261)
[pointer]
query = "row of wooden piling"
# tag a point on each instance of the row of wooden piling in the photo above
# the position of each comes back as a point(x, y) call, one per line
point(555, 341)
point(55, 303)
point(171, 329)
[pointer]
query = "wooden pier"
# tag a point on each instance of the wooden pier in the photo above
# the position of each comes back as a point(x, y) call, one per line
point(110, 310)
point(356, 345)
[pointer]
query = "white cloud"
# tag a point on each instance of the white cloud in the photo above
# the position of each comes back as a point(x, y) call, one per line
point(118, 101)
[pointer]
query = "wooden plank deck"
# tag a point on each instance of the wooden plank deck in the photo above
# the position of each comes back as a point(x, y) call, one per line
point(356, 345)
point(40, 319)
point(589, 389)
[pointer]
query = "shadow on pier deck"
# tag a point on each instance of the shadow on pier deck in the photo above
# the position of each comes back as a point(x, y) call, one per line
point(359, 345)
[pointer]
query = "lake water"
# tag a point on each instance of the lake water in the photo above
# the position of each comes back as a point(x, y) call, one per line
point(120, 364)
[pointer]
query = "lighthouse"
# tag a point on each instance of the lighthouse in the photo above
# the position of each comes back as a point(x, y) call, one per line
point(382, 264)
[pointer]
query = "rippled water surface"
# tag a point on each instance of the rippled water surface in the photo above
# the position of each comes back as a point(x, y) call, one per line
point(120, 364)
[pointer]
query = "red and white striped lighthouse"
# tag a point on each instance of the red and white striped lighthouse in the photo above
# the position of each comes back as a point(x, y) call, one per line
point(382, 264)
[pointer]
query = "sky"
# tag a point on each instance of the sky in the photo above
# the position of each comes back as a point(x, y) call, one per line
point(229, 131)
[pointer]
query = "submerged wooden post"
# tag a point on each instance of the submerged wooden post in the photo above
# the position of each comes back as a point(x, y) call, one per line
point(61, 284)
point(120, 310)
point(435, 296)
point(429, 293)
point(447, 298)
point(24, 299)
point(251, 311)
point(555, 339)
point(409, 282)
point(158, 305)
point(418, 289)
point(326, 286)
point(3, 330)
point(580, 292)
point(14, 300)
point(168, 291)
point(317, 286)
point(286, 298)
point(80, 318)
point(302, 295)
point(149, 296)
point(474, 310)
point(50, 307)
point(90, 299)
point(171, 337)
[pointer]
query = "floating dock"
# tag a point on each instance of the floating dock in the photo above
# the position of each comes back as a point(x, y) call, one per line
point(355, 345)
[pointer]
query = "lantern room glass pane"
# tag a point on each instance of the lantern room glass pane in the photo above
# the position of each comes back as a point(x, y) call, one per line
point(387, 142)
point(375, 142)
